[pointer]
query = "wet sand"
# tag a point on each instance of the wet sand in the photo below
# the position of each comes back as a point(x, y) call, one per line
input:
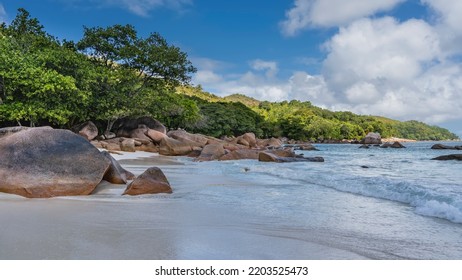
point(107, 225)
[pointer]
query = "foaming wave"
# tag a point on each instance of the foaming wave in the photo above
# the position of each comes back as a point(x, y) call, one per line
point(440, 210)
point(427, 200)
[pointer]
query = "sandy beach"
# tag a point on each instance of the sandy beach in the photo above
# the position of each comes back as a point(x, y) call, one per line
point(107, 225)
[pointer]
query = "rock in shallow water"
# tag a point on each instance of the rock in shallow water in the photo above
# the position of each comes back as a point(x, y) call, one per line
point(45, 162)
point(116, 174)
point(211, 152)
point(241, 154)
point(152, 181)
point(269, 157)
point(445, 147)
point(449, 157)
point(395, 145)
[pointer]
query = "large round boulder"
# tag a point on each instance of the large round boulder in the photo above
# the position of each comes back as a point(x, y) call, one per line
point(128, 145)
point(88, 130)
point(155, 136)
point(116, 174)
point(195, 140)
point(270, 157)
point(211, 152)
point(125, 126)
point(152, 181)
point(172, 147)
point(372, 139)
point(140, 133)
point(272, 142)
point(240, 154)
point(247, 139)
point(283, 152)
point(45, 162)
point(5, 131)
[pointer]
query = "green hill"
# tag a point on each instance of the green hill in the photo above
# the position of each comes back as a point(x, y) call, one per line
point(246, 100)
point(298, 120)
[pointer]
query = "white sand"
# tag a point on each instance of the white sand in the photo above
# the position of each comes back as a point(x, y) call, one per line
point(107, 225)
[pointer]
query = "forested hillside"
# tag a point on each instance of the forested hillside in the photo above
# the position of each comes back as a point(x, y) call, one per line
point(112, 73)
point(298, 120)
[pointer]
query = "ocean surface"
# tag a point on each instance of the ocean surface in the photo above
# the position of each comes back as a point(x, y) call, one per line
point(359, 204)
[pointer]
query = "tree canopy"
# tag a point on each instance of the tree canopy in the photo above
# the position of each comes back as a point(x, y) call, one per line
point(111, 73)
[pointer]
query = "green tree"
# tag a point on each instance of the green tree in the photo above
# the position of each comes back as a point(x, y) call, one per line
point(133, 64)
point(31, 90)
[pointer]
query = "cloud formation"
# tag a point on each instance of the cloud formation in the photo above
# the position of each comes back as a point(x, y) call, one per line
point(261, 82)
point(404, 70)
point(270, 67)
point(330, 13)
point(448, 23)
point(379, 65)
point(379, 52)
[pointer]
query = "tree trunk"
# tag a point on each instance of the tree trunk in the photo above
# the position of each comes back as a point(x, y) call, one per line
point(109, 125)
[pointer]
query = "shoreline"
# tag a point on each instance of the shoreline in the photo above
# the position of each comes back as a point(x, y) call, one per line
point(226, 210)
point(107, 225)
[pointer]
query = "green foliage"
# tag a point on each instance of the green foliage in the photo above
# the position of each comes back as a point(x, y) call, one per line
point(248, 101)
point(172, 109)
point(198, 93)
point(134, 68)
point(226, 119)
point(150, 57)
point(111, 73)
point(421, 131)
point(30, 90)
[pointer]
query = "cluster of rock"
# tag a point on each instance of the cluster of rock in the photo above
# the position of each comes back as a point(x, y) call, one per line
point(395, 145)
point(146, 134)
point(45, 162)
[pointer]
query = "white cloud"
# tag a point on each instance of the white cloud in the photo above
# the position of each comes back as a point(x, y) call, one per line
point(260, 81)
point(3, 14)
point(207, 77)
point(379, 52)
point(304, 86)
point(271, 67)
point(449, 23)
point(330, 13)
point(449, 12)
point(362, 92)
point(397, 69)
point(373, 66)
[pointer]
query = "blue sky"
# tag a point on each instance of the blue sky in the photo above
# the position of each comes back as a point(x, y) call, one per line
point(396, 58)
